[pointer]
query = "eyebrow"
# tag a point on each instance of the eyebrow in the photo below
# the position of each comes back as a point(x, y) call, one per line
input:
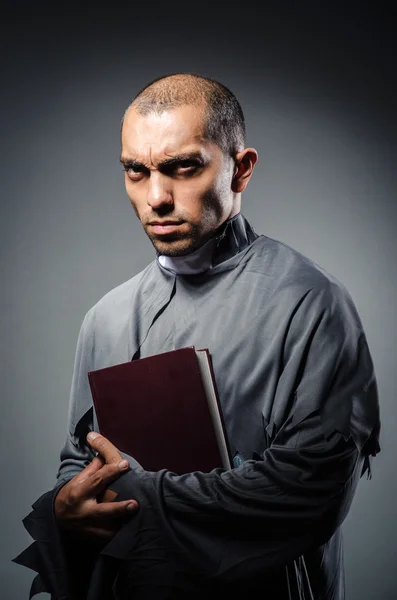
point(169, 162)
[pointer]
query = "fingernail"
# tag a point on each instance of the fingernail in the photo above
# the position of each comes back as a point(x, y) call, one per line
point(92, 435)
point(123, 464)
point(131, 506)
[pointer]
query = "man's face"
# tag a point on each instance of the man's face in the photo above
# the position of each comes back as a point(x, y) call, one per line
point(178, 183)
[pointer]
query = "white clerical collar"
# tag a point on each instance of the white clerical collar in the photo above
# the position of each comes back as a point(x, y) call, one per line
point(196, 262)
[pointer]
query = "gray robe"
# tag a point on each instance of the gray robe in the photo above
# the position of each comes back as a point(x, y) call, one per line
point(299, 399)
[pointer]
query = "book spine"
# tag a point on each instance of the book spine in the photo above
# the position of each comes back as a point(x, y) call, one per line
point(209, 383)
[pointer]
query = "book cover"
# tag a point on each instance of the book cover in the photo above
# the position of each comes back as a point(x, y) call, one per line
point(163, 410)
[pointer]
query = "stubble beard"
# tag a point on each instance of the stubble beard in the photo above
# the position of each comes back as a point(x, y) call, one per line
point(182, 244)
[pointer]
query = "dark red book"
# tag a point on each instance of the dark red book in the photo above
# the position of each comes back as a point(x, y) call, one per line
point(163, 410)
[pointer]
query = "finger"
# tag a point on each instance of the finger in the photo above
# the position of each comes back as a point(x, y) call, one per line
point(101, 479)
point(96, 533)
point(94, 466)
point(93, 532)
point(113, 510)
point(107, 496)
point(77, 482)
point(104, 447)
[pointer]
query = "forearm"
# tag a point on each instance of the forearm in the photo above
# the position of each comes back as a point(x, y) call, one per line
point(76, 454)
point(67, 547)
point(259, 516)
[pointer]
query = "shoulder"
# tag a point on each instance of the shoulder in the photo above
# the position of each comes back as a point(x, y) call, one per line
point(290, 268)
point(115, 306)
point(126, 291)
point(297, 283)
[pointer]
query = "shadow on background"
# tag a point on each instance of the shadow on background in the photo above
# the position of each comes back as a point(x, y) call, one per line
point(318, 87)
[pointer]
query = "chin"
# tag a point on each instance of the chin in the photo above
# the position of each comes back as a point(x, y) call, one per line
point(177, 247)
point(174, 249)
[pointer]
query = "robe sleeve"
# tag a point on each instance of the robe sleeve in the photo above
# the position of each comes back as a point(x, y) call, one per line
point(64, 565)
point(230, 525)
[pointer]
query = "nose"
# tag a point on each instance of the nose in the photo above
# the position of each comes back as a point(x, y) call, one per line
point(159, 192)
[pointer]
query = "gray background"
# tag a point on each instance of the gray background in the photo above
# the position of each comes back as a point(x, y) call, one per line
point(318, 88)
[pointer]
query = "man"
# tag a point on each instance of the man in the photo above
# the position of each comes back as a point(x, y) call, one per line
point(292, 365)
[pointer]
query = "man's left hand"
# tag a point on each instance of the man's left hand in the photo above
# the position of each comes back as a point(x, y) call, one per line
point(84, 504)
point(106, 449)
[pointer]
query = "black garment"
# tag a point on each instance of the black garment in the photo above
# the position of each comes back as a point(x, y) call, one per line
point(299, 398)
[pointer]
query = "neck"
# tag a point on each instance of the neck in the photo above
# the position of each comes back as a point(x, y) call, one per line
point(234, 235)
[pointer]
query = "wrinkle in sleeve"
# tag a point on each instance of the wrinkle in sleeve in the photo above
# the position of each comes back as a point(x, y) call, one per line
point(45, 555)
point(231, 525)
point(63, 562)
point(236, 524)
point(56, 558)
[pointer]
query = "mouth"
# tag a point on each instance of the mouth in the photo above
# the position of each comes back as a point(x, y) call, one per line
point(164, 227)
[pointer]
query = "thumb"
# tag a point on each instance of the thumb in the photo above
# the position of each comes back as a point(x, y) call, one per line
point(104, 447)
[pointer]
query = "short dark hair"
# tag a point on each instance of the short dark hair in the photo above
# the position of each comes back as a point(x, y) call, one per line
point(224, 118)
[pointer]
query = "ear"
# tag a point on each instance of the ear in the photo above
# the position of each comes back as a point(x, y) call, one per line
point(244, 166)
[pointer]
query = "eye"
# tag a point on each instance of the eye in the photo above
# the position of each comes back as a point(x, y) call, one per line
point(187, 166)
point(134, 172)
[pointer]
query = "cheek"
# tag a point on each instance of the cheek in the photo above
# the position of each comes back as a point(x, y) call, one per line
point(135, 196)
point(192, 194)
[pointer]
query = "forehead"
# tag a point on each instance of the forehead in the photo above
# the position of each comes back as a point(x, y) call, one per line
point(158, 135)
